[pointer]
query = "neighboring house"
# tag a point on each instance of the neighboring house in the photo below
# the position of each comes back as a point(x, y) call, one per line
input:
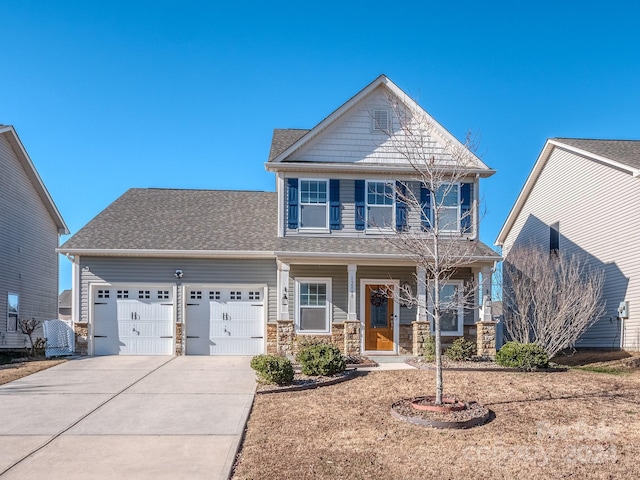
point(31, 229)
point(64, 305)
point(238, 272)
point(582, 197)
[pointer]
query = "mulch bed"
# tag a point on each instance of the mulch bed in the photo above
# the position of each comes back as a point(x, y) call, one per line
point(472, 415)
point(305, 382)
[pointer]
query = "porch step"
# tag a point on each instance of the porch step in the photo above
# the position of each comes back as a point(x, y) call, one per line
point(389, 358)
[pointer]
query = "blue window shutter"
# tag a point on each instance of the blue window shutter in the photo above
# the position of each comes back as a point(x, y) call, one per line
point(466, 194)
point(425, 202)
point(401, 207)
point(292, 202)
point(334, 205)
point(359, 200)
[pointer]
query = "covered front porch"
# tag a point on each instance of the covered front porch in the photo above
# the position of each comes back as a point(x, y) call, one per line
point(356, 306)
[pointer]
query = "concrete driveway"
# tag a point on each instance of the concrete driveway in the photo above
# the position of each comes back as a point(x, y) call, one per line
point(126, 417)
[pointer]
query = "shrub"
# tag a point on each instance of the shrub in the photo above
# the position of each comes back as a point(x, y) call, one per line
point(527, 356)
point(429, 348)
point(321, 359)
point(273, 369)
point(461, 349)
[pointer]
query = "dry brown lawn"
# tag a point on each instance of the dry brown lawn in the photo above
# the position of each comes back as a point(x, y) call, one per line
point(573, 424)
point(14, 371)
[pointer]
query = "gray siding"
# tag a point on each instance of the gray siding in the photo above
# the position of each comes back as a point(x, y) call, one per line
point(339, 289)
point(596, 207)
point(348, 209)
point(161, 271)
point(27, 249)
point(339, 276)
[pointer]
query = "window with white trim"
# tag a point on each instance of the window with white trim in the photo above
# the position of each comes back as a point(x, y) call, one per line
point(314, 211)
point(13, 309)
point(451, 308)
point(380, 202)
point(313, 312)
point(447, 200)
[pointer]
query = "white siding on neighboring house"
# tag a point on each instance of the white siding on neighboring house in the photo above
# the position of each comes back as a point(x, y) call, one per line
point(596, 206)
point(27, 249)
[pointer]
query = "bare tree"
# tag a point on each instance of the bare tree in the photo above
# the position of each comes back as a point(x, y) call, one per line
point(27, 327)
point(550, 299)
point(435, 233)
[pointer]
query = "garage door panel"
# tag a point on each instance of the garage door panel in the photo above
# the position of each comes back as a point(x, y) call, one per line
point(124, 326)
point(228, 324)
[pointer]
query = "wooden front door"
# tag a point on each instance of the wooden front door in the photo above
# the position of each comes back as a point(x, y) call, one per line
point(378, 323)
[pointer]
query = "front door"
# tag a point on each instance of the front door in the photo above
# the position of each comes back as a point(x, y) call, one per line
point(379, 320)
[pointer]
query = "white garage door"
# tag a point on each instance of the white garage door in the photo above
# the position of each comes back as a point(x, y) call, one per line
point(135, 320)
point(224, 321)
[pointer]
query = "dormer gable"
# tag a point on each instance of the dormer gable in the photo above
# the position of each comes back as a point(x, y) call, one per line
point(358, 136)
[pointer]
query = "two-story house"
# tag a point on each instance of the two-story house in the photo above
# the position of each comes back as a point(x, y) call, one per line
point(31, 229)
point(238, 272)
point(581, 198)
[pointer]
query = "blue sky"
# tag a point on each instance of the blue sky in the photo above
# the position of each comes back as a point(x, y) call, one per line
point(111, 95)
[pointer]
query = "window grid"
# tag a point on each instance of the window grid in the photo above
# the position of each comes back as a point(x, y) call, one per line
point(144, 294)
point(380, 193)
point(122, 294)
point(313, 191)
point(235, 295)
point(195, 295)
point(254, 295)
point(163, 294)
point(214, 295)
point(313, 294)
point(103, 293)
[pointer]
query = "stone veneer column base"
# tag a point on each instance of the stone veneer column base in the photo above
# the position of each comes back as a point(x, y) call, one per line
point(420, 333)
point(179, 344)
point(486, 339)
point(352, 337)
point(81, 331)
point(285, 337)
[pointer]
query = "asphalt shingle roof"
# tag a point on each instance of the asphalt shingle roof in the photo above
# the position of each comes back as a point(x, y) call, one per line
point(163, 219)
point(214, 220)
point(283, 139)
point(623, 151)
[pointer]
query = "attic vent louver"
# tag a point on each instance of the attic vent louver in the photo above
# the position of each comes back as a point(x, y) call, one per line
point(380, 120)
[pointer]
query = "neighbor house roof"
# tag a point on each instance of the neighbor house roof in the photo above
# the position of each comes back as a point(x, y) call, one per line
point(626, 152)
point(163, 222)
point(620, 154)
point(23, 157)
point(64, 299)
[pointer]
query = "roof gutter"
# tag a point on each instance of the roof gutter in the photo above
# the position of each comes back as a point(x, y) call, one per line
point(385, 168)
point(123, 252)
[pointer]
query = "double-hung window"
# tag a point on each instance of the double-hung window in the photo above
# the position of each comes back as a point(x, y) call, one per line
point(451, 308)
point(313, 313)
point(12, 312)
point(380, 201)
point(447, 202)
point(314, 212)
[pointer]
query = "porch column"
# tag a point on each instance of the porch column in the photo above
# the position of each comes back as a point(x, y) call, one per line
point(420, 328)
point(486, 294)
point(352, 325)
point(351, 307)
point(421, 277)
point(283, 291)
point(285, 334)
